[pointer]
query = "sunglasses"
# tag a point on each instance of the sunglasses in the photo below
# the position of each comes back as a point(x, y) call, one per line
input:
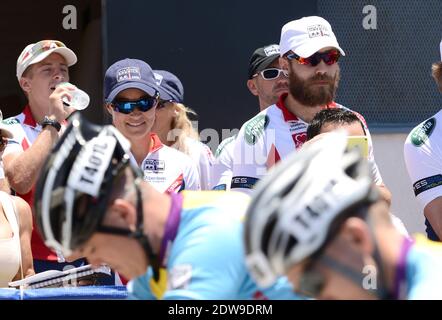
point(271, 73)
point(143, 104)
point(329, 57)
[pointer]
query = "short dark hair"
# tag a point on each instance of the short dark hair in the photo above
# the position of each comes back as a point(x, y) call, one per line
point(335, 115)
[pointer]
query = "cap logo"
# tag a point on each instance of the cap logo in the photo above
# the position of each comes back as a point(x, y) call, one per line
point(158, 78)
point(318, 30)
point(271, 50)
point(129, 73)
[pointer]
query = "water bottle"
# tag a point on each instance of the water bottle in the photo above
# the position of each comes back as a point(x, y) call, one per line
point(80, 99)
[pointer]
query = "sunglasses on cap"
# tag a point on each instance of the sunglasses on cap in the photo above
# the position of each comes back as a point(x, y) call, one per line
point(144, 104)
point(329, 57)
point(44, 46)
point(271, 73)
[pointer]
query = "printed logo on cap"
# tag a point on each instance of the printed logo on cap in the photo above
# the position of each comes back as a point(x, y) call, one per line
point(271, 50)
point(129, 73)
point(318, 30)
point(158, 78)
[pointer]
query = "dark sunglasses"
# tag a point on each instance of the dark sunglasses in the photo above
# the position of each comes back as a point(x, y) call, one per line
point(3, 143)
point(329, 57)
point(143, 104)
point(271, 73)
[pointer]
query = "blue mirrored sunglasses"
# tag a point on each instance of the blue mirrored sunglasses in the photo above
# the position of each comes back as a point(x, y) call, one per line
point(144, 104)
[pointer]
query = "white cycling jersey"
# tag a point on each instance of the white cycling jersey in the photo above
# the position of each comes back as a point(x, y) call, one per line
point(423, 158)
point(202, 156)
point(270, 136)
point(169, 170)
point(222, 169)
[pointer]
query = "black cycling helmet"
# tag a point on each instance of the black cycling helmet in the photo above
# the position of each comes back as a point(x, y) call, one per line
point(74, 187)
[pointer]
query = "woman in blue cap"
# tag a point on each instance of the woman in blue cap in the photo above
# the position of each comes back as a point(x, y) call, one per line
point(174, 127)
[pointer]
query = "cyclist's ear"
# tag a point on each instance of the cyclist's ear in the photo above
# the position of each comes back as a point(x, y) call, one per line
point(122, 213)
point(356, 231)
point(252, 87)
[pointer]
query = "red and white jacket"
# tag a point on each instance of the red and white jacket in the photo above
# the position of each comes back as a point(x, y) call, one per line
point(270, 136)
point(25, 130)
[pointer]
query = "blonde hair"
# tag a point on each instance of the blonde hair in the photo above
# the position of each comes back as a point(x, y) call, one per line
point(436, 72)
point(182, 127)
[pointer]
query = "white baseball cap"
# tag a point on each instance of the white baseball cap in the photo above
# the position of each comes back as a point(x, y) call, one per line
point(36, 52)
point(306, 36)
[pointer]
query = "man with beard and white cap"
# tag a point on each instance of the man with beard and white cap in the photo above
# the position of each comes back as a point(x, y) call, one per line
point(309, 54)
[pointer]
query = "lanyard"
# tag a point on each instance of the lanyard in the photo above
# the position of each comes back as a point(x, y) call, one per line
point(400, 281)
point(171, 228)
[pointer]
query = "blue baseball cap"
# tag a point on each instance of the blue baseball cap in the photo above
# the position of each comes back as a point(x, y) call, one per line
point(127, 74)
point(169, 86)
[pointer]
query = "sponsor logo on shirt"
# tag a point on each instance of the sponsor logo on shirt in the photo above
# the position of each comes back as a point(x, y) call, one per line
point(179, 277)
point(299, 139)
point(295, 126)
point(243, 182)
point(427, 184)
point(421, 133)
point(153, 165)
point(255, 128)
point(11, 121)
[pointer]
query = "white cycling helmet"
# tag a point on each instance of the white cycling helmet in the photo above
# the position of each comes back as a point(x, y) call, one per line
point(292, 209)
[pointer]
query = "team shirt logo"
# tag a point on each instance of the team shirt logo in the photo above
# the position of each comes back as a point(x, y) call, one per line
point(421, 133)
point(255, 128)
point(427, 184)
point(155, 166)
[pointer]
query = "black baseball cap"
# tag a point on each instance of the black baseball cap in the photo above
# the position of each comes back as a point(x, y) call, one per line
point(262, 58)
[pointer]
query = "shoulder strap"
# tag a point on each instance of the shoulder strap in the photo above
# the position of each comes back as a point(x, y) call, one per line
point(10, 212)
point(13, 217)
